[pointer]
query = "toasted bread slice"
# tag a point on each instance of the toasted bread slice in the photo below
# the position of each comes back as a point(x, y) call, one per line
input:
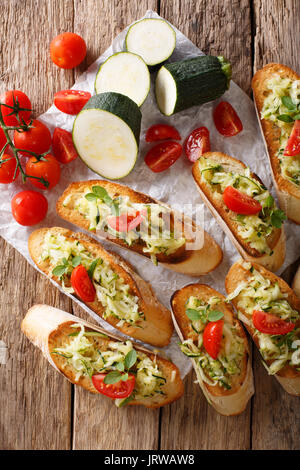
point(288, 376)
point(48, 328)
point(155, 329)
point(296, 282)
point(199, 260)
point(226, 402)
point(275, 241)
point(288, 193)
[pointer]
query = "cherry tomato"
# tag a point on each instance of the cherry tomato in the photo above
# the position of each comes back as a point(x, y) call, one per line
point(29, 207)
point(126, 222)
point(82, 284)
point(197, 143)
point(293, 144)
point(63, 147)
point(37, 139)
point(162, 156)
point(226, 120)
point(7, 169)
point(67, 50)
point(212, 337)
point(271, 324)
point(121, 389)
point(47, 168)
point(239, 202)
point(2, 139)
point(18, 98)
point(162, 132)
point(71, 101)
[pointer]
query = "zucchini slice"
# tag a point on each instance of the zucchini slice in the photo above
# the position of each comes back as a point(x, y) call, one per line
point(125, 73)
point(106, 134)
point(180, 85)
point(152, 38)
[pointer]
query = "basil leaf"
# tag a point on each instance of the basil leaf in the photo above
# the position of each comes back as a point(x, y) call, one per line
point(130, 359)
point(92, 268)
point(101, 192)
point(120, 366)
point(277, 218)
point(192, 314)
point(91, 197)
point(285, 118)
point(269, 202)
point(288, 103)
point(112, 377)
point(59, 270)
point(115, 209)
point(76, 261)
point(297, 117)
point(215, 315)
point(124, 377)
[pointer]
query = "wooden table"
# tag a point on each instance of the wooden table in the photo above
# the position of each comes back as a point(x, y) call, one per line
point(38, 408)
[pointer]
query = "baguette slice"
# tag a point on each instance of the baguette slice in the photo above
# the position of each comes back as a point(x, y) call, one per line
point(288, 193)
point(226, 402)
point(288, 376)
point(276, 239)
point(296, 283)
point(157, 329)
point(48, 327)
point(191, 262)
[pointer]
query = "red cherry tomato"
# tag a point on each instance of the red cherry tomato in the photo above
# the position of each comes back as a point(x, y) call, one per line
point(2, 139)
point(121, 389)
point(226, 120)
point(29, 207)
point(270, 324)
point(82, 284)
point(239, 202)
point(162, 156)
point(47, 168)
point(212, 337)
point(37, 139)
point(126, 222)
point(67, 50)
point(71, 101)
point(11, 98)
point(63, 147)
point(293, 144)
point(7, 169)
point(162, 132)
point(197, 143)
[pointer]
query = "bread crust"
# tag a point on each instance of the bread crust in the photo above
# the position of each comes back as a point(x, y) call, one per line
point(288, 376)
point(47, 328)
point(287, 192)
point(226, 402)
point(296, 282)
point(276, 240)
point(157, 329)
point(191, 262)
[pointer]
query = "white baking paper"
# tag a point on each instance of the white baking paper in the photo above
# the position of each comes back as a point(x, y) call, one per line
point(174, 186)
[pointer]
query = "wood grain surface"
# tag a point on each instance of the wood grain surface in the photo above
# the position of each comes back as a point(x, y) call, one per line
point(38, 408)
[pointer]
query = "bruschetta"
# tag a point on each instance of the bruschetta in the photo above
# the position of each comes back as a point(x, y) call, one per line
point(103, 281)
point(243, 207)
point(217, 345)
point(139, 223)
point(270, 311)
point(276, 91)
point(101, 362)
point(296, 282)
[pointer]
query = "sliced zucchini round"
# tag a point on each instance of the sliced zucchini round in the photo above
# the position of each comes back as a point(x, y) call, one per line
point(125, 73)
point(151, 38)
point(106, 134)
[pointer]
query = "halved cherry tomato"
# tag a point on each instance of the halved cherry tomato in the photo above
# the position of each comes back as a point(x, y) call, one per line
point(126, 222)
point(271, 324)
point(7, 169)
point(162, 132)
point(63, 147)
point(37, 139)
point(12, 98)
point(71, 101)
point(47, 168)
point(197, 143)
point(240, 203)
point(2, 139)
point(162, 156)
point(29, 207)
point(293, 144)
point(82, 284)
point(212, 337)
point(226, 120)
point(121, 389)
point(67, 50)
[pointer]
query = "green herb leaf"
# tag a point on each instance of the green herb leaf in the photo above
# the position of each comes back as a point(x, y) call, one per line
point(101, 192)
point(124, 377)
point(92, 268)
point(112, 377)
point(59, 270)
point(285, 118)
point(269, 202)
point(288, 103)
point(297, 117)
point(192, 314)
point(130, 359)
point(115, 209)
point(215, 315)
point(91, 197)
point(120, 366)
point(277, 218)
point(76, 261)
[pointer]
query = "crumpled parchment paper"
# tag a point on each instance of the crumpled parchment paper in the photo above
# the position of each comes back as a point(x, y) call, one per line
point(174, 186)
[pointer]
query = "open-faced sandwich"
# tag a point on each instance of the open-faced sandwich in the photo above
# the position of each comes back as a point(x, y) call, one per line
point(296, 282)
point(103, 281)
point(276, 90)
point(270, 311)
point(243, 207)
point(100, 362)
point(141, 224)
point(217, 345)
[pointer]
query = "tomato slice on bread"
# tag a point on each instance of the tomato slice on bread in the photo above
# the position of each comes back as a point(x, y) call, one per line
point(212, 337)
point(226, 120)
point(271, 324)
point(126, 222)
point(293, 144)
point(82, 284)
point(120, 389)
point(240, 203)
